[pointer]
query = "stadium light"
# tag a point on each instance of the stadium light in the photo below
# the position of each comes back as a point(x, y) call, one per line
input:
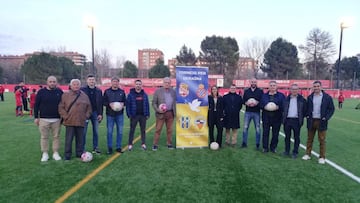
point(345, 23)
point(91, 22)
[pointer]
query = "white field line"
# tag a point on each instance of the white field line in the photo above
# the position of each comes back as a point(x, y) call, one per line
point(331, 163)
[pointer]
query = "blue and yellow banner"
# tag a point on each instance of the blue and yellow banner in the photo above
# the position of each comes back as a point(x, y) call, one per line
point(191, 107)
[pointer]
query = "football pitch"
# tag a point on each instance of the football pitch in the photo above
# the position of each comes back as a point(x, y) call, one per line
point(190, 175)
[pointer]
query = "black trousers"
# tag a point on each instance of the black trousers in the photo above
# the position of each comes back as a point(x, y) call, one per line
point(25, 104)
point(78, 133)
point(141, 119)
point(214, 120)
point(275, 128)
point(292, 124)
point(2, 96)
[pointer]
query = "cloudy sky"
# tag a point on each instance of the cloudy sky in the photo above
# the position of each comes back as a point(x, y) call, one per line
point(124, 26)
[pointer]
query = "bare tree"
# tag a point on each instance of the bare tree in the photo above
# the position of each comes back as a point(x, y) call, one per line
point(318, 47)
point(102, 63)
point(255, 48)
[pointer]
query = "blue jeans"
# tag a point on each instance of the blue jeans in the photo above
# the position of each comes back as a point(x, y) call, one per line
point(255, 116)
point(95, 129)
point(119, 122)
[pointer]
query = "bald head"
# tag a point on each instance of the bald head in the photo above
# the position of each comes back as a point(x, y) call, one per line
point(51, 82)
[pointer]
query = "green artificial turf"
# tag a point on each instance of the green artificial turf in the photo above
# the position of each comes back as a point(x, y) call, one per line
point(190, 175)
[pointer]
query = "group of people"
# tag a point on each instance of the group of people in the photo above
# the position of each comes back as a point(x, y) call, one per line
point(79, 106)
point(275, 110)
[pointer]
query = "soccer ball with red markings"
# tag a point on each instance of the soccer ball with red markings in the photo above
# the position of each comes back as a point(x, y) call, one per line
point(86, 157)
point(163, 107)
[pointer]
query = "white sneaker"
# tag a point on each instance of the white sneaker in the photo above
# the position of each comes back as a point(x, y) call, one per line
point(44, 157)
point(130, 147)
point(321, 161)
point(306, 157)
point(56, 156)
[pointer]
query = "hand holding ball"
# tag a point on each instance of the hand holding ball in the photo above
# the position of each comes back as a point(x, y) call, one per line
point(271, 106)
point(163, 107)
point(117, 106)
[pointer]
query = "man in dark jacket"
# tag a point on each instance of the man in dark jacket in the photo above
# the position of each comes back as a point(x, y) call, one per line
point(320, 108)
point(47, 117)
point(232, 106)
point(138, 110)
point(293, 118)
point(252, 98)
point(96, 100)
point(272, 105)
point(114, 114)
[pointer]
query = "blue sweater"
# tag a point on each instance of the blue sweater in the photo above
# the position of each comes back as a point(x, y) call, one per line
point(131, 103)
point(47, 102)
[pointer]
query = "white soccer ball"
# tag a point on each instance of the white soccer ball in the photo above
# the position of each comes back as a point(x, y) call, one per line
point(271, 106)
point(117, 106)
point(86, 157)
point(252, 101)
point(214, 146)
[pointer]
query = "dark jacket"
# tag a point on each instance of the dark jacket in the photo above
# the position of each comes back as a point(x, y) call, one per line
point(256, 94)
point(327, 109)
point(131, 103)
point(301, 108)
point(47, 103)
point(219, 113)
point(232, 106)
point(278, 99)
point(98, 99)
point(110, 96)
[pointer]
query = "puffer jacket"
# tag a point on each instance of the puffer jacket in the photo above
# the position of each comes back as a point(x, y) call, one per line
point(79, 112)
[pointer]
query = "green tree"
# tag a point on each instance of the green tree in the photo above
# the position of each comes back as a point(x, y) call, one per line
point(38, 67)
point(159, 70)
point(221, 55)
point(130, 70)
point(186, 56)
point(318, 50)
point(349, 67)
point(281, 60)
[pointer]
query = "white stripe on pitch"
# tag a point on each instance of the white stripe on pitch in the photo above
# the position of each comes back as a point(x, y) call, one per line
point(331, 163)
point(339, 168)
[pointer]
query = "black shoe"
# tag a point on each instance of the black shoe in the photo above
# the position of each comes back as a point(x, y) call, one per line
point(286, 154)
point(257, 147)
point(294, 156)
point(265, 150)
point(155, 148)
point(110, 151)
point(244, 145)
point(119, 150)
point(170, 146)
point(96, 151)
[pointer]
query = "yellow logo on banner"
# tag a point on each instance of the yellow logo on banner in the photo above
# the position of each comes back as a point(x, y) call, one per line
point(191, 126)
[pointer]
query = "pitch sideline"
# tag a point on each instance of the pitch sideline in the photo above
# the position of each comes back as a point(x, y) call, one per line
point(91, 175)
point(331, 163)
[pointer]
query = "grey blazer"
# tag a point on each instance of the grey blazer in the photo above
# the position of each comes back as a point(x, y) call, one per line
point(159, 98)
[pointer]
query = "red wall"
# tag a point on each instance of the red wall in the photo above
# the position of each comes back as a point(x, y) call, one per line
point(150, 90)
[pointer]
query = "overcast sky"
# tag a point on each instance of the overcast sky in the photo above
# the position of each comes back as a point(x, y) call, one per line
point(124, 26)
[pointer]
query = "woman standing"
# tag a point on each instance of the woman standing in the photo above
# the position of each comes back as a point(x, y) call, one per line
point(215, 115)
